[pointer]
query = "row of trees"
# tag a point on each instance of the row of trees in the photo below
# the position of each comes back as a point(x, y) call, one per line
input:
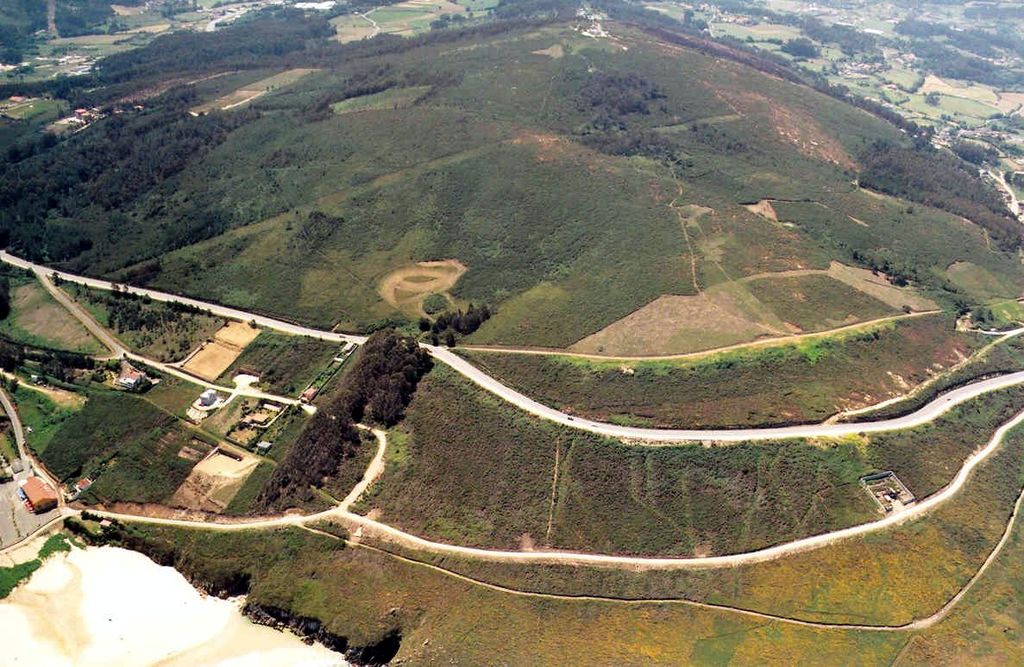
point(130, 312)
point(377, 389)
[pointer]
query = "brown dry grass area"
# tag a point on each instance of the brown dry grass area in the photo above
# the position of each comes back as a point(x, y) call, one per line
point(38, 315)
point(764, 209)
point(728, 314)
point(547, 147)
point(978, 93)
point(406, 287)
point(879, 287)
point(123, 10)
point(723, 315)
point(555, 51)
point(213, 482)
point(238, 334)
point(212, 359)
point(355, 32)
point(253, 90)
point(1010, 102)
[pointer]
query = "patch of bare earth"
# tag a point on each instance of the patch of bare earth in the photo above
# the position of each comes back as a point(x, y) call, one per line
point(795, 127)
point(215, 356)
point(405, 288)
point(878, 286)
point(214, 481)
point(764, 209)
point(555, 52)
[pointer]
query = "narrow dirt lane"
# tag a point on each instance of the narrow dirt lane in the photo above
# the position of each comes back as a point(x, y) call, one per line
point(362, 527)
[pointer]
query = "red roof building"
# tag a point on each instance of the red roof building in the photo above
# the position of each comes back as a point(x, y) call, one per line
point(39, 494)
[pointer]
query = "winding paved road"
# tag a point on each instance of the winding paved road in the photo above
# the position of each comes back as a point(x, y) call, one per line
point(641, 436)
point(929, 412)
point(361, 527)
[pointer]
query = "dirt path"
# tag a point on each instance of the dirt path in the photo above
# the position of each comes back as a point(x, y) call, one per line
point(366, 17)
point(1013, 203)
point(61, 397)
point(51, 18)
point(362, 527)
point(373, 471)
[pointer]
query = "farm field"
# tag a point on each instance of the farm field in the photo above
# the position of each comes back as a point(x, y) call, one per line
point(404, 18)
point(789, 383)
point(128, 446)
point(763, 306)
point(397, 98)
point(31, 109)
point(285, 364)
point(42, 415)
point(213, 483)
point(471, 470)
point(36, 319)
point(216, 355)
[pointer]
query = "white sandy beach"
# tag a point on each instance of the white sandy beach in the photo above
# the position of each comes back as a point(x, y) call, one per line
point(108, 606)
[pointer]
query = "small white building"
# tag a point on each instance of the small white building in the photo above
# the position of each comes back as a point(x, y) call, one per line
point(208, 398)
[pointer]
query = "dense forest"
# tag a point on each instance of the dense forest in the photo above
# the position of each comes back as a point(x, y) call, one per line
point(81, 17)
point(376, 389)
point(936, 178)
point(19, 19)
point(109, 167)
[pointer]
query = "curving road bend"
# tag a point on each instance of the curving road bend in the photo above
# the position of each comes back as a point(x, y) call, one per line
point(942, 404)
point(362, 526)
point(640, 436)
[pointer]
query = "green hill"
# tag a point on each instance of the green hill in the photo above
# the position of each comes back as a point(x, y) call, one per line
point(578, 179)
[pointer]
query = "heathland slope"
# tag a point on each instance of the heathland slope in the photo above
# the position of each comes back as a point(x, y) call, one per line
point(577, 180)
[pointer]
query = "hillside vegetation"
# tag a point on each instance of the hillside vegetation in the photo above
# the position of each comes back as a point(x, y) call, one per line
point(799, 382)
point(365, 595)
point(467, 468)
point(562, 171)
